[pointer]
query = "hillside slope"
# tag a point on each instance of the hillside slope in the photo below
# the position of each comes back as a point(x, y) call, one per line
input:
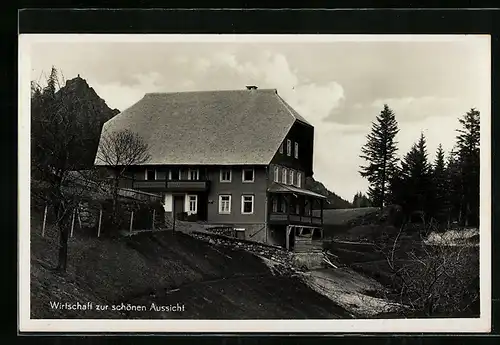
point(165, 269)
point(334, 201)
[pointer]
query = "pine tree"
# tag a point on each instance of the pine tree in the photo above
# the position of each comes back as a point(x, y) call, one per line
point(356, 200)
point(365, 201)
point(454, 185)
point(468, 141)
point(413, 187)
point(441, 189)
point(360, 200)
point(380, 153)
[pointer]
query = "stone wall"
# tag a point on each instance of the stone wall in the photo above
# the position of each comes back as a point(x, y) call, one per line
point(89, 215)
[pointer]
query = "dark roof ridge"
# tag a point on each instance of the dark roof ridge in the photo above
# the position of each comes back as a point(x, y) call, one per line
point(292, 112)
point(208, 91)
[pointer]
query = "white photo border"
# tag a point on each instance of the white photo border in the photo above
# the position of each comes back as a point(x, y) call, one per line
point(444, 325)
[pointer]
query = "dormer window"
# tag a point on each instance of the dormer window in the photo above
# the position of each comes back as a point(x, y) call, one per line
point(281, 148)
point(288, 147)
point(296, 151)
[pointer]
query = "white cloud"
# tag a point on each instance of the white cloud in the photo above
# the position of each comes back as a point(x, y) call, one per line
point(202, 65)
point(122, 96)
point(315, 101)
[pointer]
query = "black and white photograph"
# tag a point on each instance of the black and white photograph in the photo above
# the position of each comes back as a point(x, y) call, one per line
point(254, 183)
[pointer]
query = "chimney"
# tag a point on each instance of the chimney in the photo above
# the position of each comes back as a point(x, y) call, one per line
point(251, 87)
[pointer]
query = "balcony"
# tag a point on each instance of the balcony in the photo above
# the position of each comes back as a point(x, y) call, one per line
point(172, 186)
point(150, 185)
point(187, 186)
point(283, 218)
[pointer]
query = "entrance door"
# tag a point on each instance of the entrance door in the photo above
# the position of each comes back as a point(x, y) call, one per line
point(203, 206)
point(178, 205)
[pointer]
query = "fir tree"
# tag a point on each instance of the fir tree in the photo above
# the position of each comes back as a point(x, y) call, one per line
point(380, 153)
point(454, 185)
point(468, 155)
point(360, 200)
point(413, 188)
point(441, 189)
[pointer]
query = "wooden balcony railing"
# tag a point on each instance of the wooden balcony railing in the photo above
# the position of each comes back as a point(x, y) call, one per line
point(168, 185)
point(146, 185)
point(187, 185)
point(283, 218)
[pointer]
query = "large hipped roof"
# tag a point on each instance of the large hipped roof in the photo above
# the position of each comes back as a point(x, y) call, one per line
point(235, 127)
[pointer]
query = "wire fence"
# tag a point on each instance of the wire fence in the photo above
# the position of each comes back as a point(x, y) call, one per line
point(101, 218)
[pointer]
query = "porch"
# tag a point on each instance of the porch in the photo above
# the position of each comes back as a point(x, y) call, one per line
point(296, 217)
point(291, 205)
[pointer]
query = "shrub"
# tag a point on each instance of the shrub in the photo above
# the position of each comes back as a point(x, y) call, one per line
point(433, 280)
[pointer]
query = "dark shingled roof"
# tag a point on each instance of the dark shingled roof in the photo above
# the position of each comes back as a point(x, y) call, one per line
point(234, 127)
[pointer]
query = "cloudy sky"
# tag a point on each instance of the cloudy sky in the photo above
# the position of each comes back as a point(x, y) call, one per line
point(339, 86)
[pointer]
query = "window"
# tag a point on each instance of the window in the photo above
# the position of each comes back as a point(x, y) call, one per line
point(225, 175)
point(297, 208)
point(161, 175)
point(296, 151)
point(150, 174)
point(275, 204)
point(292, 175)
point(284, 205)
point(288, 147)
point(276, 174)
point(247, 204)
point(193, 203)
point(299, 179)
point(174, 174)
point(224, 204)
point(248, 175)
point(281, 148)
point(284, 175)
point(193, 174)
point(307, 208)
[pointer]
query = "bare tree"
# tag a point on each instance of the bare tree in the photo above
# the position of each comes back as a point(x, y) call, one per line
point(118, 151)
point(432, 279)
point(56, 144)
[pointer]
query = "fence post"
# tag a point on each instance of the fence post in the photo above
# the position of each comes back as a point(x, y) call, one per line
point(44, 220)
point(99, 227)
point(78, 213)
point(131, 221)
point(154, 214)
point(72, 223)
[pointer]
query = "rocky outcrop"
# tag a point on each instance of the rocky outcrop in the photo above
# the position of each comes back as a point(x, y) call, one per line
point(90, 112)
